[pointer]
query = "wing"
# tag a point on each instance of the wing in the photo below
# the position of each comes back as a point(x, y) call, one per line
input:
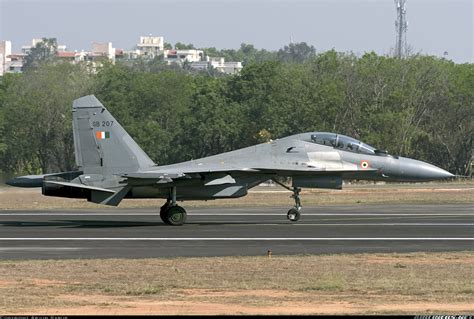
point(217, 174)
point(97, 195)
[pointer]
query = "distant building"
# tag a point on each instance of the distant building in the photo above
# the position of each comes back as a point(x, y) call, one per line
point(217, 64)
point(102, 50)
point(131, 54)
point(181, 56)
point(66, 56)
point(16, 63)
point(26, 49)
point(228, 67)
point(100, 53)
point(119, 54)
point(10, 62)
point(148, 48)
point(151, 46)
point(5, 53)
point(13, 62)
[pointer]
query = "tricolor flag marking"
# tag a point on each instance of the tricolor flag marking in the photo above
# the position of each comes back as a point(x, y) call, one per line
point(101, 135)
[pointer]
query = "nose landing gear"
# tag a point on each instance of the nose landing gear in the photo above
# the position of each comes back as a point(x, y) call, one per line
point(294, 213)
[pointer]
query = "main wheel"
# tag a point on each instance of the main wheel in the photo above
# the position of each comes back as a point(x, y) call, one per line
point(293, 215)
point(175, 216)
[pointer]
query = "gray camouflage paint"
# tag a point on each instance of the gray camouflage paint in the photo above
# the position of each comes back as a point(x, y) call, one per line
point(113, 168)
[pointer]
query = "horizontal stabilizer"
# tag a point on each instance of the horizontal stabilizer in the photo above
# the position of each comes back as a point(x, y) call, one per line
point(97, 194)
point(97, 189)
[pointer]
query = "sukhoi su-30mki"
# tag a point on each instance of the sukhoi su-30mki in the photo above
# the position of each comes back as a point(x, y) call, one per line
point(111, 167)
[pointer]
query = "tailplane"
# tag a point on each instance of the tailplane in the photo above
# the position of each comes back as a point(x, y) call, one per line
point(101, 144)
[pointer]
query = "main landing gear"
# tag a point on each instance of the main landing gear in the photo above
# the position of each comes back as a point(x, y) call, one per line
point(293, 214)
point(171, 213)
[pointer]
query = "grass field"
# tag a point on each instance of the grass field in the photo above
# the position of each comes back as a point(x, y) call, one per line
point(410, 283)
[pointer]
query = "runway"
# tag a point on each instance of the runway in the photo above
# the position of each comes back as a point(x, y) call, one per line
point(139, 233)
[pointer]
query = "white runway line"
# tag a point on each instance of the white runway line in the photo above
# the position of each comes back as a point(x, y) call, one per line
point(334, 214)
point(239, 239)
point(39, 249)
point(361, 224)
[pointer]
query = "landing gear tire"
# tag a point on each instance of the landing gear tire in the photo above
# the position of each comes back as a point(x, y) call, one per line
point(174, 215)
point(293, 215)
point(164, 212)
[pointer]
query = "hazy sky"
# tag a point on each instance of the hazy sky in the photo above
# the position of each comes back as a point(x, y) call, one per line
point(435, 26)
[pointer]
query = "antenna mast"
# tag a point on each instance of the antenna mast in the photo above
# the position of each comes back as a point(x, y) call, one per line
point(401, 25)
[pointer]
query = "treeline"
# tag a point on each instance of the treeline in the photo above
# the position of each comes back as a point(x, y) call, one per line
point(247, 53)
point(421, 107)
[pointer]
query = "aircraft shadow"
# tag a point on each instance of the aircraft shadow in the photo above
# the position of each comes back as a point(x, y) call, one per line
point(115, 224)
point(81, 224)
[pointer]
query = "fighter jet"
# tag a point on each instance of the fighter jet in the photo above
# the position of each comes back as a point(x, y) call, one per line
point(111, 167)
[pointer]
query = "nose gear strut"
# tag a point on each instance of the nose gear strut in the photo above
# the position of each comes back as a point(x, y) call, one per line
point(294, 213)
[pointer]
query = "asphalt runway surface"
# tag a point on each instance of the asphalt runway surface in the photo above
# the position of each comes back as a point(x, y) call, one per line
point(140, 233)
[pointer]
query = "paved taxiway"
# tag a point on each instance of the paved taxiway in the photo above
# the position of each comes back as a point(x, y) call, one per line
point(137, 233)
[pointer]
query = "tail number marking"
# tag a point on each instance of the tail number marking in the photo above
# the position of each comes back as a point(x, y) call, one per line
point(103, 123)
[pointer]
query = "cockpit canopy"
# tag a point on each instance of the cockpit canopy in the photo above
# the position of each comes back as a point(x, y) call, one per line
point(343, 142)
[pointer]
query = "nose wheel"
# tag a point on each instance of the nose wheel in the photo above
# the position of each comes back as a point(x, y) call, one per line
point(293, 215)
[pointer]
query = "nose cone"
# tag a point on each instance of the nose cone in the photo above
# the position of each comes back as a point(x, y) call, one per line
point(414, 171)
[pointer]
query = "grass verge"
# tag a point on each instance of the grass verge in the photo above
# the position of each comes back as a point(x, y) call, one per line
point(407, 283)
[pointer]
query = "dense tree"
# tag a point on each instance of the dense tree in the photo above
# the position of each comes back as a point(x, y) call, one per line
point(212, 124)
point(247, 53)
point(149, 104)
point(44, 51)
point(37, 118)
point(296, 52)
point(447, 130)
point(421, 106)
point(183, 46)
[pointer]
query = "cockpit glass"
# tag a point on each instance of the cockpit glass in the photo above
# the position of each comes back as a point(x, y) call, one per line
point(328, 139)
point(342, 142)
point(367, 149)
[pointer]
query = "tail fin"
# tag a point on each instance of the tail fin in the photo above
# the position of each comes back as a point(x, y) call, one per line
point(101, 144)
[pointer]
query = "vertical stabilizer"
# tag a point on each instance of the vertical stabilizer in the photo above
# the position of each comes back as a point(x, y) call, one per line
point(101, 144)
